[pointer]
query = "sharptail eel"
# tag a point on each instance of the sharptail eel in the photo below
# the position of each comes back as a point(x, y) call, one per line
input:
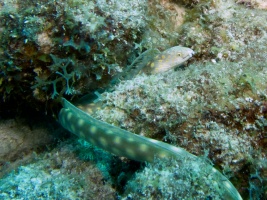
point(136, 147)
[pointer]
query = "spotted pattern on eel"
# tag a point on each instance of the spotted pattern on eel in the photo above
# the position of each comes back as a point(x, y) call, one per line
point(136, 147)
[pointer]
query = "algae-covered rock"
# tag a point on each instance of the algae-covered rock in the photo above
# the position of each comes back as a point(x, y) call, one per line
point(70, 47)
point(55, 175)
point(216, 106)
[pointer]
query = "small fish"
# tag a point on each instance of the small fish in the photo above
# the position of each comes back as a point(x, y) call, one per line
point(168, 59)
point(164, 61)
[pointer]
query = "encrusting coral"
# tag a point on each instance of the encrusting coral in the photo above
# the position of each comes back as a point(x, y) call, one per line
point(69, 47)
point(202, 108)
point(57, 174)
point(215, 107)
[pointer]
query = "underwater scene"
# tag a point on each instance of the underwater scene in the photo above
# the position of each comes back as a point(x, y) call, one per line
point(133, 99)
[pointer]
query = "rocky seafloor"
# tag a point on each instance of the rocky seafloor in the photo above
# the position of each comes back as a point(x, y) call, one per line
point(215, 106)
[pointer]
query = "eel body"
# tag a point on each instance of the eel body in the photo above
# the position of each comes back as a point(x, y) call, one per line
point(126, 144)
point(136, 147)
point(113, 139)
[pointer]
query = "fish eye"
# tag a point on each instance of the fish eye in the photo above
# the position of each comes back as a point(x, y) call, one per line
point(179, 54)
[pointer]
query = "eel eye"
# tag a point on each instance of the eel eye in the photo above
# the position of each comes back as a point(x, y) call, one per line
point(179, 54)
